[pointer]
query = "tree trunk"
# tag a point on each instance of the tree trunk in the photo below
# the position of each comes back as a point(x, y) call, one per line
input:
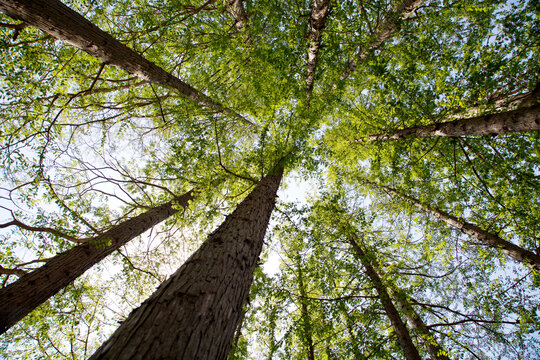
point(384, 31)
point(522, 120)
point(434, 349)
point(238, 13)
point(194, 314)
point(515, 252)
point(61, 22)
point(306, 322)
point(317, 22)
point(402, 333)
point(21, 297)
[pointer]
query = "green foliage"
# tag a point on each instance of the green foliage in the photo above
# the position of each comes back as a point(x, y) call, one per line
point(84, 146)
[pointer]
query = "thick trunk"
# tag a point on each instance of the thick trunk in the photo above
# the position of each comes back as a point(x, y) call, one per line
point(317, 22)
point(515, 252)
point(434, 349)
point(194, 314)
point(384, 31)
point(31, 290)
point(402, 333)
point(61, 22)
point(522, 120)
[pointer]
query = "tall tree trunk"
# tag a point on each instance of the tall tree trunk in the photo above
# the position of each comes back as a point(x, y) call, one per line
point(61, 22)
point(521, 120)
point(306, 322)
point(21, 297)
point(402, 333)
point(383, 32)
point(194, 314)
point(432, 346)
point(515, 252)
point(317, 22)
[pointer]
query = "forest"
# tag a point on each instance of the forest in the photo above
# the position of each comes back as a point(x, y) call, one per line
point(293, 179)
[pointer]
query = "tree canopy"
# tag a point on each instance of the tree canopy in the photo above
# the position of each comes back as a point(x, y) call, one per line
point(387, 116)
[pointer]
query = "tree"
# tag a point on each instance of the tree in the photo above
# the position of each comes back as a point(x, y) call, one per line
point(402, 333)
point(65, 24)
point(205, 295)
point(31, 290)
point(522, 120)
point(522, 255)
point(85, 145)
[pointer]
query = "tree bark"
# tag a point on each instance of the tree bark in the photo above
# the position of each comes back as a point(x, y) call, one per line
point(238, 13)
point(402, 333)
point(18, 299)
point(515, 252)
point(194, 314)
point(384, 31)
point(521, 120)
point(61, 22)
point(306, 322)
point(317, 22)
point(432, 346)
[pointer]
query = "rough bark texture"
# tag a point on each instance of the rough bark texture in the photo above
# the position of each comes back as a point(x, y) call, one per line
point(434, 349)
point(61, 22)
point(194, 314)
point(515, 252)
point(317, 22)
point(384, 31)
point(522, 120)
point(238, 13)
point(402, 333)
point(31, 290)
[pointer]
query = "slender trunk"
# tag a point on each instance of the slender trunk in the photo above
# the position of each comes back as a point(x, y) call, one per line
point(194, 314)
point(521, 120)
point(306, 323)
point(358, 355)
point(515, 252)
point(384, 31)
point(317, 22)
point(432, 346)
point(21, 297)
point(61, 22)
point(402, 333)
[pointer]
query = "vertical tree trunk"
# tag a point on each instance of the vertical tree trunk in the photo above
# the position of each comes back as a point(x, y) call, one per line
point(194, 314)
point(306, 322)
point(21, 297)
point(317, 22)
point(61, 22)
point(521, 120)
point(515, 252)
point(402, 333)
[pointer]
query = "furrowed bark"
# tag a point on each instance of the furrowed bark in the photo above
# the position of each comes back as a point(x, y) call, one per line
point(384, 31)
point(194, 314)
point(317, 22)
point(402, 333)
point(521, 120)
point(524, 256)
point(18, 299)
point(61, 22)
